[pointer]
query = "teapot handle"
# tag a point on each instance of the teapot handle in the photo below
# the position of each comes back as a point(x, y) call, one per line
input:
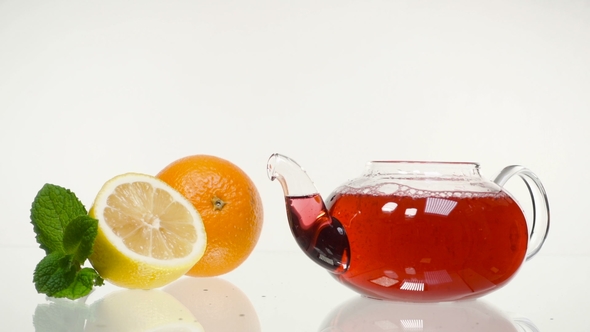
point(540, 205)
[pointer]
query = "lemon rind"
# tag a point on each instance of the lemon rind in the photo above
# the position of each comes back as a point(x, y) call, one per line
point(112, 248)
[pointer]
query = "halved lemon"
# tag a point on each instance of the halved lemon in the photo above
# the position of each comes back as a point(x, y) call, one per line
point(148, 233)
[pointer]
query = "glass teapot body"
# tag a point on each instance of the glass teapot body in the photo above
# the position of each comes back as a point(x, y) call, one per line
point(416, 231)
point(428, 231)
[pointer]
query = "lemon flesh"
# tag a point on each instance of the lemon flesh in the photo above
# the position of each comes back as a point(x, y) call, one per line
point(148, 233)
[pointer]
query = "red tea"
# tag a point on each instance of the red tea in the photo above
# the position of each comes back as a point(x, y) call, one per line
point(320, 236)
point(427, 247)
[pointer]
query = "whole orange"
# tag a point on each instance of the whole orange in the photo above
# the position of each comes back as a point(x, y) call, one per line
point(230, 207)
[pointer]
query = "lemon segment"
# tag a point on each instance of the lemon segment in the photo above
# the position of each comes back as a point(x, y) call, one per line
point(148, 233)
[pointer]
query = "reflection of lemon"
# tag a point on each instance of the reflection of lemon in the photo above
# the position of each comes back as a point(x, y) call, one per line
point(216, 303)
point(141, 310)
point(149, 234)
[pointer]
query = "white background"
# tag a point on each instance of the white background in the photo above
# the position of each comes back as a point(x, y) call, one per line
point(90, 89)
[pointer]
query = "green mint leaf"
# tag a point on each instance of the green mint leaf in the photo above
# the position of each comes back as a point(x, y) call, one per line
point(53, 208)
point(66, 233)
point(85, 280)
point(54, 273)
point(57, 275)
point(78, 237)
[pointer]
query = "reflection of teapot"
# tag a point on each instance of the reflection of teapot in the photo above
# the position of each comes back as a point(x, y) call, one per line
point(415, 231)
point(364, 314)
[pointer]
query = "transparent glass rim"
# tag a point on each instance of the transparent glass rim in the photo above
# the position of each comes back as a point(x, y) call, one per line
point(437, 169)
point(426, 162)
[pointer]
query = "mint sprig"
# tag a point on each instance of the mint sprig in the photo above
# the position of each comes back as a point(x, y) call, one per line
point(66, 233)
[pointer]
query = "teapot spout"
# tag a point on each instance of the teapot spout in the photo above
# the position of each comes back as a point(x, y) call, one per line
point(291, 176)
point(321, 236)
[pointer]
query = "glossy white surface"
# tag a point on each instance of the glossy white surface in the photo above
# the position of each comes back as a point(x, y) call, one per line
point(283, 291)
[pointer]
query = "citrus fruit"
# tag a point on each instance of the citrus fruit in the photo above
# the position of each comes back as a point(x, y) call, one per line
point(229, 204)
point(141, 310)
point(148, 234)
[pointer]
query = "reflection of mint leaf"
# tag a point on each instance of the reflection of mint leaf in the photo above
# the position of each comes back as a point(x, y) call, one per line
point(53, 208)
point(61, 316)
point(79, 236)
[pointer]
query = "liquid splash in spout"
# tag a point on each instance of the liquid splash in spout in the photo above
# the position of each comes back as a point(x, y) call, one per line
point(320, 236)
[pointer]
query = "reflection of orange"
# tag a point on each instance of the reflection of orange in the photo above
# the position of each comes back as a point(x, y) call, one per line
point(216, 303)
point(230, 207)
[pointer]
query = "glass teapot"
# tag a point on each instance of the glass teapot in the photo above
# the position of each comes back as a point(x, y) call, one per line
point(415, 231)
